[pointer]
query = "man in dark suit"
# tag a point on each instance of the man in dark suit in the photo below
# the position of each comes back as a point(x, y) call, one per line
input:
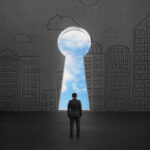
point(74, 113)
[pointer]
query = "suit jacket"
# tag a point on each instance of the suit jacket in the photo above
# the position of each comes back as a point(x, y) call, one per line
point(74, 108)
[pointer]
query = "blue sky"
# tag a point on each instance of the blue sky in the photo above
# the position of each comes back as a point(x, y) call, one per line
point(74, 43)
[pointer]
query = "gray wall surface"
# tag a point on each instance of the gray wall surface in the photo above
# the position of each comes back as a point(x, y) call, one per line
point(31, 28)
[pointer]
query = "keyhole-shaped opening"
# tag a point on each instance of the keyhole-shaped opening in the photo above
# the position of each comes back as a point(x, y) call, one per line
point(74, 43)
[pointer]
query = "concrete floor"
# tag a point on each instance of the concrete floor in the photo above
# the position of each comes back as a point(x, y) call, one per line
point(50, 131)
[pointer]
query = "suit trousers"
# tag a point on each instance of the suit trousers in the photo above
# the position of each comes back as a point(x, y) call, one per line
point(77, 120)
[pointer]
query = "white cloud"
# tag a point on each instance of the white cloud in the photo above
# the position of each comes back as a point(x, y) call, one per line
point(70, 42)
point(72, 64)
point(78, 90)
point(69, 59)
point(72, 69)
point(75, 39)
point(64, 87)
point(67, 77)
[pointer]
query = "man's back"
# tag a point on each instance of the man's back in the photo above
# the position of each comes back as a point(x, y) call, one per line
point(74, 113)
point(74, 108)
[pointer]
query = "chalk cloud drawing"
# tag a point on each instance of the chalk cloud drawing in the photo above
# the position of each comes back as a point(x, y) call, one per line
point(89, 3)
point(23, 38)
point(110, 33)
point(26, 38)
point(61, 22)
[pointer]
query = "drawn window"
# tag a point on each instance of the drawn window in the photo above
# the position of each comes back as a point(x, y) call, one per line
point(148, 40)
point(95, 58)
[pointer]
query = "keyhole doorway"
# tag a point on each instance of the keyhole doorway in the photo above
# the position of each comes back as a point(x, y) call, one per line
point(74, 43)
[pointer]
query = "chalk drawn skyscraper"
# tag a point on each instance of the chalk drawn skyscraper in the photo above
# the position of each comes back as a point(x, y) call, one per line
point(141, 65)
point(9, 74)
point(118, 78)
point(29, 84)
point(95, 79)
point(48, 100)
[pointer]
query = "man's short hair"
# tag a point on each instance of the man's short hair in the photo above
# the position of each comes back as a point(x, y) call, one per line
point(74, 94)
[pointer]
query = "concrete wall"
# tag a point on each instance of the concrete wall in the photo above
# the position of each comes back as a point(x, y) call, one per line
point(31, 28)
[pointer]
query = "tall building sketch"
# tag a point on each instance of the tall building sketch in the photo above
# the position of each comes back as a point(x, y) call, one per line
point(141, 66)
point(118, 78)
point(48, 100)
point(29, 84)
point(59, 86)
point(95, 79)
point(8, 80)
